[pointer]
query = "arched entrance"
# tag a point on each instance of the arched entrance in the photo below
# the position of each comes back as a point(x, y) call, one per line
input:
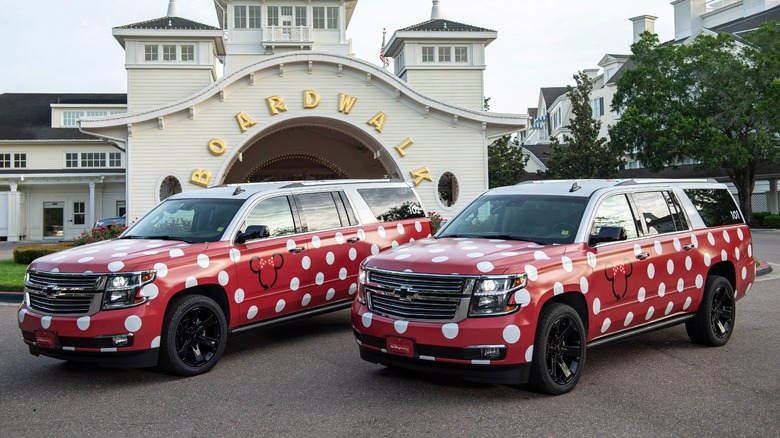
point(311, 148)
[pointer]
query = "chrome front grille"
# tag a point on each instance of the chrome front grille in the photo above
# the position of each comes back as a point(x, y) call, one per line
point(418, 297)
point(52, 293)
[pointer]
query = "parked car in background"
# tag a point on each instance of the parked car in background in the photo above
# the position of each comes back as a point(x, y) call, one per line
point(518, 285)
point(109, 221)
point(204, 264)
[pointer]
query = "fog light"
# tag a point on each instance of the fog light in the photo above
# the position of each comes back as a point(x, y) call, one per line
point(121, 340)
point(490, 352)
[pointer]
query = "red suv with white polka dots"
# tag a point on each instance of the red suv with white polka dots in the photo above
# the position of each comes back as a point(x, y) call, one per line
point(208, 263)
point(517, 286)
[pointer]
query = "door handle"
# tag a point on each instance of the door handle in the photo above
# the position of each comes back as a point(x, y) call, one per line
point(353, 239)
point(689, 247)
point(643, 255)
point(296, 250)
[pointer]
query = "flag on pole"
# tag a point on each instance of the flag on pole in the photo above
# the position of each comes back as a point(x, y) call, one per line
point(382, 58)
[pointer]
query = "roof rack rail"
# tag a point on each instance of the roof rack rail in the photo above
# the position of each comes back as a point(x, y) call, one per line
point(637, 181)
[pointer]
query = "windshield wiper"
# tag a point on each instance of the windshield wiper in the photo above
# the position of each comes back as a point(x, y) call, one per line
point(159, 237)
point(524, 239)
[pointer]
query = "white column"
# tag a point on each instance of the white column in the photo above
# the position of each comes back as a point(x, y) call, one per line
point(772, 196)
point(91, 207)
point(13, 214)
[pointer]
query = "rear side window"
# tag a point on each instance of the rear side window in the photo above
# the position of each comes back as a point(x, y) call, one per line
point(715, 206)
point(656, 212)
point(319, 211)
point(392, 203)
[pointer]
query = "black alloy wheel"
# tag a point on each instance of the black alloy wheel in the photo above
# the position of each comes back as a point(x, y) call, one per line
point(194, 335)
point(714, 321)
point(559, 351)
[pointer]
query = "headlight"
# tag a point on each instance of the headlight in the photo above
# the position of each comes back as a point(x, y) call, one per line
point(361, 294)
point(122, 289)
point(491, 295)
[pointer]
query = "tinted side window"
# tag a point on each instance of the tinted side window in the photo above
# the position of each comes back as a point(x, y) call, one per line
point(654, 212)
point(318, 211)
point(392, 203)
point(615, 212)
point(275, 213)
point(716, 206)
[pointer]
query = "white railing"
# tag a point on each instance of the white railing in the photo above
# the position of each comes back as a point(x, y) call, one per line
point(288, 34)
point(714, 5)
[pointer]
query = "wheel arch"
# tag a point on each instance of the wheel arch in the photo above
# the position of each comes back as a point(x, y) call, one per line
point(575, 300)
point(726, 270)
point(213, 291)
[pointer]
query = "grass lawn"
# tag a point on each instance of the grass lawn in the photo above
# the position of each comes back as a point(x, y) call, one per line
point(11, 276)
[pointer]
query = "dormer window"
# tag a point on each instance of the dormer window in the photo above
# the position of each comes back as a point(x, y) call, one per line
point(445, 54)
point(151, 53)
point(325, 17)
point(246, 17)
point(169, 52)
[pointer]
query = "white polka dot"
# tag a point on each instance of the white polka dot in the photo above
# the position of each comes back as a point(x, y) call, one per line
point(93, 251)
point(381, 231)
point(699, 281)
point(740, 235)
point(316, 242)
point(475, 255)
point(724, 255)
point(223, 278)
point(529, 353)
point(280, 306)
point(641, 294)
point(523, 297)
point(687, 304)
point(649, 313)
point(592, 260)
point(596, 306)
point(252, 312)
point(119, 254)
point(650, 271)
point(86, 259)
point(150, 291)
point(374, 249)
point(352, 288)
point(343, 273)
point(361, 235)
point(115, 266)
point(450, 331)
point(509, 254)
point(440, 259)
point(658, 248)
point(605, 325)
point(330, 294)
point(707, 259)
point(436, 250)
point(191, 282)
point(401, 326)
point(680, 285)
point(531, 271)
point(400, 228)
point(688, 263)
point(557, 288)
point(235, 255)
point(503, 246)
point(694, 240)
point(744, 272)
point(330, 258)
point(511, 334)
point(156, 342)
point(485, 267)
point(239, 296)
point(58, 270)
point(711, 239)
point(291, 245)
point(468, 247)
point(306, 300)
point(295, 283)
point(83, 323)
point(750, 250)
point(46, 322)
point(629, 318)
point(162, 269)
point(540, 255)
point(670, 267)
point(736, 253)
point(677, 245)
point(319, 279)
point(133, 323)
point(637, 250)
point(503, 240)
point(176, 252)
point(661, 289)
point(306, 262)
point(366, 319)
point(352, 253)
point(21, 315)
point(726, 236)
point(567, 264)
point(418, 226)
point(669, 308)
point(152, 252)
point(59, 257)
point(403, 256)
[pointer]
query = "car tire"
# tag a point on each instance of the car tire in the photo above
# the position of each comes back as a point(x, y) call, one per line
point(559, 352)
point(193, 336)
point(714, 321)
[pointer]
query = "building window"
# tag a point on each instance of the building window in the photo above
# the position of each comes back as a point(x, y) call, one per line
point(300, 16)
point(445, 54)
point(169, 52)
point(318, 17)
point(461, 54)
point(169, 186)
point(448, 189)
point(254, 17)
point(610, 72)
point(79, 213)
point(188, 52)
point(93, 159)
point(598, 106)
point(114, 159)
point(71, 118)
point(5, 161)
point(121, 208)
point(333, 17)
point(151, 53)
point(239, 17)
point(273, 15)
point(326, 18)
point(20, 161)
point(71, 159)
point(427, 54)
point(97, 113)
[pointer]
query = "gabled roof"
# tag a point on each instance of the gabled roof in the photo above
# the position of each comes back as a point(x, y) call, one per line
point(168, 23)
point(618, 74)
point(741, 26)
point(532, 112)
point(27, 116)
point(439, 25)
point(551, 93)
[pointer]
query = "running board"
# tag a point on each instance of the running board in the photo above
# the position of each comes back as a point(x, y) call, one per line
point(293, 317)
point(641, 330)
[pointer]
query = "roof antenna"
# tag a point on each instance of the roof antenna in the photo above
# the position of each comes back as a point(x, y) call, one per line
point(574, 187)
point(238, 191)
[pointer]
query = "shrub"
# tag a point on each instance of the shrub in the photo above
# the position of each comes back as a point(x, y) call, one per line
point(436, 221)
point(759, 216)
point(26, 254)
point(771, 221)
point(99, 234)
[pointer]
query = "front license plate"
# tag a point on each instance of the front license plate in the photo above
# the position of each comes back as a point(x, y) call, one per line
point(45, 339)
point(400, 346)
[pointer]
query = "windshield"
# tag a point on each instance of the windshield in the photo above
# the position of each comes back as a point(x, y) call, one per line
point(188, 220)
point(534, 218)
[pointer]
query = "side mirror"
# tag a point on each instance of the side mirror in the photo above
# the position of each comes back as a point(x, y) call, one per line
point(253, 232)
point(608, 234)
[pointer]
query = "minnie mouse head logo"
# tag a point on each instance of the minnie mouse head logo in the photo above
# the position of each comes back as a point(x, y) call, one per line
point(618, 276)
point(267, 269)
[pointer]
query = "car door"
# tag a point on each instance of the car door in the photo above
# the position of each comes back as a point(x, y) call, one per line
point(271, 279)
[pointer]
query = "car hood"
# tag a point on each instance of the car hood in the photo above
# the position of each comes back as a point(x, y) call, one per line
point(114, 256)
point(463, 256)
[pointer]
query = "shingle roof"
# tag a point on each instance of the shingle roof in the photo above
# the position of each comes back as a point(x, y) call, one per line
point(743, 25)
point(440, 25)
point(27, 116)
point(168, 23)
point(552, 93)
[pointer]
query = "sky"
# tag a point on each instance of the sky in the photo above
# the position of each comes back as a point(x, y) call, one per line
point(56, 46)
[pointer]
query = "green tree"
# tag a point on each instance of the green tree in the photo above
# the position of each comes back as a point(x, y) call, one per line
point(715, 100)
point(583, 154)
point(506, 162)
